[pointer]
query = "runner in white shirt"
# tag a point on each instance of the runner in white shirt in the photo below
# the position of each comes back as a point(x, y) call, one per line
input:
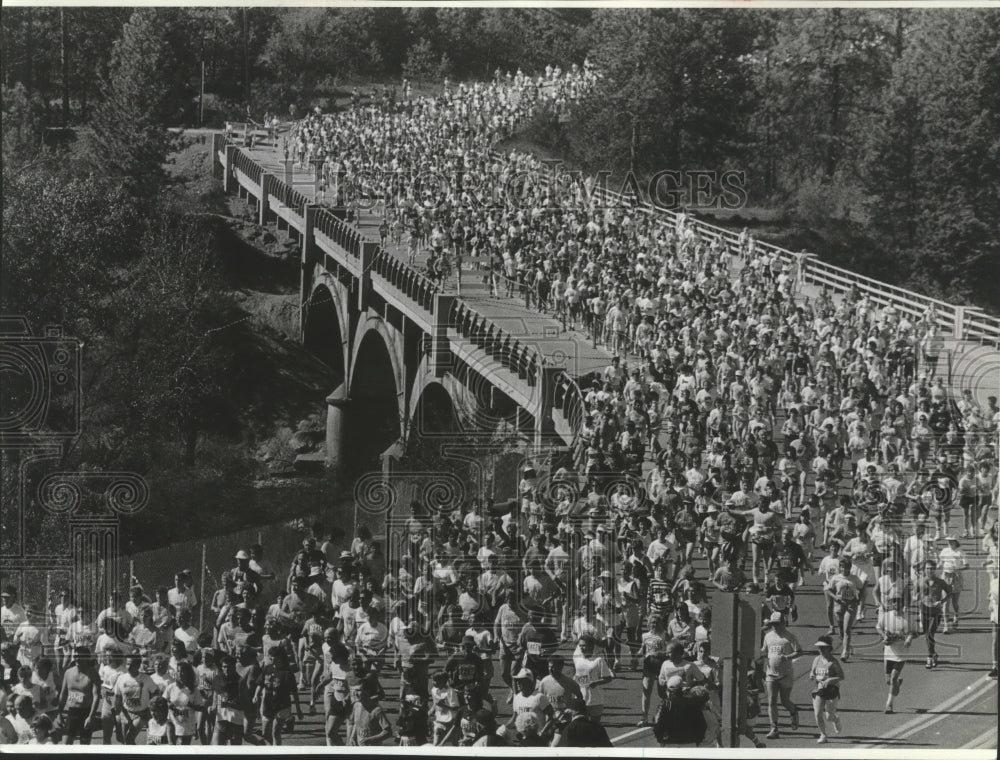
point(592, 672)
point(952, 561)
point(133, 691)
point(529, 700)
point(896, 635)
point(780, 647)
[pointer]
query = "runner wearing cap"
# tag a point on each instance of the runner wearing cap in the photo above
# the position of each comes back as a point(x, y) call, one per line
point(243, 576)
point(896, 635)
point(779, 649)
point(827, 673)
point(529, 700)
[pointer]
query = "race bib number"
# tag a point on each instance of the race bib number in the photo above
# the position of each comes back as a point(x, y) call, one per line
point(182, 714)
point(786, 562)
point(466, 673)
point(583, 679)
point(133, 704)
point(534, 647)
point(74, 699)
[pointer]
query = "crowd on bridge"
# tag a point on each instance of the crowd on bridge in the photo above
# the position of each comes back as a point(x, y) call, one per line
point(744, 438)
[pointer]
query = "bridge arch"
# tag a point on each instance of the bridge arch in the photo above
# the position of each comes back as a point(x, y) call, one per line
point(376, 388)
point(325, 327)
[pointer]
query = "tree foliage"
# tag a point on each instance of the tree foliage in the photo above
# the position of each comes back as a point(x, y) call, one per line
point(932, 167)
point(146, 89)
point(149, 302)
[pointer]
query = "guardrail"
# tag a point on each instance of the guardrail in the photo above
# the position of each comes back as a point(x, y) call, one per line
point(517, 357)
point(243, 163)
point(569, 400)
point(340, 232)
point(965, 323)
point(404, 278)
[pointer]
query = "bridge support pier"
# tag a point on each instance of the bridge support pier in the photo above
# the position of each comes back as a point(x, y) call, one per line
point(337, 404)
point(391, 457)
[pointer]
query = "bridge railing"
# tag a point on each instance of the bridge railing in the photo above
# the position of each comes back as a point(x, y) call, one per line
point(569, 401)
point(404, 278)
point(340, 232)
point(244, 163)
point(515, 356)
point(288, 196)
point(964, 323)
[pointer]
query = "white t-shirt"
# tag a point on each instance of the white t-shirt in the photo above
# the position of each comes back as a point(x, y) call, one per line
point(535, 703)
point(185, 718)
point(688, 671)
point(446, 709)
point(896, 628)
point(589, 670)
point(135, 691)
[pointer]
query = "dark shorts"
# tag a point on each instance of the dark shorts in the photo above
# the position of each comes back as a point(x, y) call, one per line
point(828, 692)
point(76, 723)
point(651, 667)
point(686, 536)
point(893, 665)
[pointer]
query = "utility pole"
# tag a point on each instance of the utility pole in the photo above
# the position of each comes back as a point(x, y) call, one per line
point(64, 61)
point(246, 60)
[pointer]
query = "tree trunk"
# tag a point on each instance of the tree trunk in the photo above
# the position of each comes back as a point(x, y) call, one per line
point(29, 50)
point(900, 28)
point(633, 145)
point(64, 61)
point(190, 444)
point(832, 137)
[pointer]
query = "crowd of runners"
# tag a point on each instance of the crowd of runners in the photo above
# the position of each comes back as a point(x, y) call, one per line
point(743, 438)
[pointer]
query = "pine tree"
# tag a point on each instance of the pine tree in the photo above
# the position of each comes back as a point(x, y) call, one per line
point(146, 89)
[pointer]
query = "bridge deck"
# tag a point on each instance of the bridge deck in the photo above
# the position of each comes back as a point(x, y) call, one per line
point(571, 349)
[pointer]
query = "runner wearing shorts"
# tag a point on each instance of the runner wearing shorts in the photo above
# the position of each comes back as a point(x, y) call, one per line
point(896, 635)
point(336, 695)
point(827, 672)
point(845, 588)
point(132, 692)
point(80, 698)
point(779, 649)
point(653, 652)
